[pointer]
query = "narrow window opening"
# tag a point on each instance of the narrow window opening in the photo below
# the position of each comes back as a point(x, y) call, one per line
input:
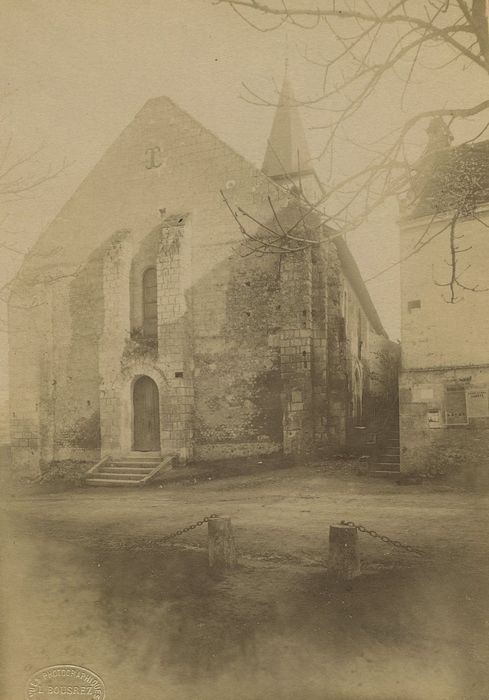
point(360, 335)
point(150, 304)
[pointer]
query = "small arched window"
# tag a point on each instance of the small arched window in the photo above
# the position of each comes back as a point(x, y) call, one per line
point(150, 306)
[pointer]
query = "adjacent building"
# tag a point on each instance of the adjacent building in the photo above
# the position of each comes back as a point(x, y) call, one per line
point(444, 383)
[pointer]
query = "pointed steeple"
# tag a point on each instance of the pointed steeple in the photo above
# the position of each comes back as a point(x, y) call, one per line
point(287, 152)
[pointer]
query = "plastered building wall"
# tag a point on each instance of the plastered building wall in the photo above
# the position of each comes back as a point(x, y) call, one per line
point(445, 366)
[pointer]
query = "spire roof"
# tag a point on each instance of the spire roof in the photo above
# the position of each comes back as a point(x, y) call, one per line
point(287, 151)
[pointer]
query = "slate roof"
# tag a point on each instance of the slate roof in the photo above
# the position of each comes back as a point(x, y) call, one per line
point(351, 271)
point(287, 152)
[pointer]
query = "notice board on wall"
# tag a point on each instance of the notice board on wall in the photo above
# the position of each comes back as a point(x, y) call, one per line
point(434, 418)
point(477, 402)
point(455, 406)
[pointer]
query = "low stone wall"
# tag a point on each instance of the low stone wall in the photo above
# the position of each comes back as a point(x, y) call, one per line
point(222, 450)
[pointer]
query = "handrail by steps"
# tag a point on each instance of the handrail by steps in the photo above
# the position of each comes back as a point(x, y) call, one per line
point(165, 462)
point(93, 469)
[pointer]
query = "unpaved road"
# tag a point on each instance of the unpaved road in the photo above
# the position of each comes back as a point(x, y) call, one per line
point(89, 584)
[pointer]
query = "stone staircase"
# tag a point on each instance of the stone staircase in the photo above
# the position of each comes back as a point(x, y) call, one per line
point(389, 461)
point(133, 470)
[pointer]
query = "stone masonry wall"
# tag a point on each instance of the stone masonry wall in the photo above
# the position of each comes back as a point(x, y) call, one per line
point(296, 352)
point(175, 333)
point(237, 381)
point(319, 347)
point(339, 381)
point(117, 260)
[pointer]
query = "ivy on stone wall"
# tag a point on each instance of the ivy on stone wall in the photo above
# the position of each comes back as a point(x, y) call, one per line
point(84, 434)
point(458, 185)
point(138, 347)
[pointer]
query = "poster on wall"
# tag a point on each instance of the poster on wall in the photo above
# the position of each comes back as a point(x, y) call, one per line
point(434, 418)
point(455, 406)
point(477, 402)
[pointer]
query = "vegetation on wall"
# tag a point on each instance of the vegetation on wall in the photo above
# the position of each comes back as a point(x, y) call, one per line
point(67, 470)
point(85, 434)
point(234, 408)
point(444, 461)
point(139, 346)
point(386, 377)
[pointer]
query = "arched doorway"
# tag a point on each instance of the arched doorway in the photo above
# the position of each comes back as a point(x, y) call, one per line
point(146, 415)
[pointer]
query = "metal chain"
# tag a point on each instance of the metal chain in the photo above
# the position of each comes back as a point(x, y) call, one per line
point(384, 538)
point(188, 528)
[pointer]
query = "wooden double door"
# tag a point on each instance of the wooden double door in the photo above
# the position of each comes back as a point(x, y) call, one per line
point(146, 413)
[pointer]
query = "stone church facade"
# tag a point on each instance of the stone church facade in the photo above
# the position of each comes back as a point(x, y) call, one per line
point(136, 326)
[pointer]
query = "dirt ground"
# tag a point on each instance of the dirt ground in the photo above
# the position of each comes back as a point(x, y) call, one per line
point(89, 583)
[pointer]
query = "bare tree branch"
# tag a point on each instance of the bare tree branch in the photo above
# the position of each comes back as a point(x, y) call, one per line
point(366, 46)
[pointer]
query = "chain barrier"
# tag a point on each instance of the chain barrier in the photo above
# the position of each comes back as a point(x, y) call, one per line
point(182, 530)
point(384, 538)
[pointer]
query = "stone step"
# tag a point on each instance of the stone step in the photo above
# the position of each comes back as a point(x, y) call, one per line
point(118, 467)
point(131, 469)
point(385, 473)
point(133, 476)
point(144, 455)
point(111, 482)
point(135, 460)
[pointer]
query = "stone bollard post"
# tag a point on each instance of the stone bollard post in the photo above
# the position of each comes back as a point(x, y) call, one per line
point(222, 549)
point(344, 559)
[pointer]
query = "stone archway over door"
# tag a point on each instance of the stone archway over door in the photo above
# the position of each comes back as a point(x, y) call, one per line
point(146, 415)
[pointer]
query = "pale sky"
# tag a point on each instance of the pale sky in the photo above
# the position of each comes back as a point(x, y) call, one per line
point(76, 73)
